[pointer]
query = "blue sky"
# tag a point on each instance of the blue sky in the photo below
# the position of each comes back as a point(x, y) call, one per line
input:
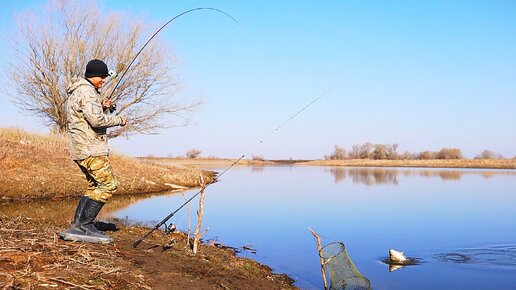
point(424, 74)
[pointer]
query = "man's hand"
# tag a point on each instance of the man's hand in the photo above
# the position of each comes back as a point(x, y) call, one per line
point(124, 121)
point(106, 103)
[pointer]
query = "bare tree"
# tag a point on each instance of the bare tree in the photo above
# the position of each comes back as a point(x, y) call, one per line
point(193, 153)
point(408, 156)
point(53, 45)
point(364, 151)
point(258, 158)
point(338, 154)
point(486, 154)
point(392, 151)
point(380, 152)
point(427, 155)
point(449, 153)
point(355, 151)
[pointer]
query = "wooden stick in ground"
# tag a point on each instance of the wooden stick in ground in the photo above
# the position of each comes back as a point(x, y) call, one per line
point(197, 235)
point(319, 249)
point(188, 232)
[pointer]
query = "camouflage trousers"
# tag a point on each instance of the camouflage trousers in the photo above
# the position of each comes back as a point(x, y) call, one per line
point(102, 183)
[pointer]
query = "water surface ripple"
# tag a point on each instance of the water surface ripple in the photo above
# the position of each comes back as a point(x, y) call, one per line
point(441, 216)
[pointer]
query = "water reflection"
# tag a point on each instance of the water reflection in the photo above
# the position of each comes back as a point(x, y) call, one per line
point(441, 210)
point(63, 210)
point(393, 268)
point(256, 169)
point(365, 176)
point(380, 176)
point(444, 175)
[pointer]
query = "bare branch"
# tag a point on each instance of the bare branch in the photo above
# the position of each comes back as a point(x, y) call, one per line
point(53, 45)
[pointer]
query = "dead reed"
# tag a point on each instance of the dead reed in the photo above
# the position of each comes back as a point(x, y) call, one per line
point(32, 256)
point(38, 167)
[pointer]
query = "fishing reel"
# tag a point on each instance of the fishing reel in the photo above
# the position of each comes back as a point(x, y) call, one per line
point(169, 229)
point(112, 108)
point(112, 75)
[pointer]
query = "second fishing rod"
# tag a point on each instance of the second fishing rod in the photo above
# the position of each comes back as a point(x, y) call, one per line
point(261, 141)
point(137, 242)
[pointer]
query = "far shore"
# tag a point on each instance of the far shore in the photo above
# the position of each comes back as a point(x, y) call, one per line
point(436, 163)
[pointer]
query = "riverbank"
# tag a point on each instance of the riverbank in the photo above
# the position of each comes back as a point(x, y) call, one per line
point(32, 257)
point(204, 162)
point(38, 167)
point(37, 189)
point(437, 163)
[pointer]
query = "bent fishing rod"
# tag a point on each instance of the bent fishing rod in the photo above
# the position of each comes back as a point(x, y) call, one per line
point(162, 222)
point(113, 74)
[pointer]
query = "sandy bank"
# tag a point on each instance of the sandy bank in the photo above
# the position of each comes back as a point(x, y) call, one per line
point(214, 163)
point(37, 178)
point(32, 257)
point(38, 167)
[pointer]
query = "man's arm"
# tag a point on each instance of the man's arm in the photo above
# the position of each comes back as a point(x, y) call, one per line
point(94, 113)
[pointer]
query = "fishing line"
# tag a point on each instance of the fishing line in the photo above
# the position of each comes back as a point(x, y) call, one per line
point(157, 226)
point(159, 30)
point(329, 238)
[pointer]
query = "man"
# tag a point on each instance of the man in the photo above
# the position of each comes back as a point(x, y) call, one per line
point(87, 125)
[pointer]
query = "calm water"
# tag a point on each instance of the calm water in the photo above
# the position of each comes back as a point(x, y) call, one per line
point(428, 214)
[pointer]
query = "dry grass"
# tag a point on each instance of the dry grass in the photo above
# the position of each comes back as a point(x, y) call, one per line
point(33, 257)
point(38, 166)
point(436, 163)
point(457, 163)
point(204, 162)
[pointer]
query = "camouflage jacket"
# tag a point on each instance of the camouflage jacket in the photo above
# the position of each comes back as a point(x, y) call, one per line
point(86, 121)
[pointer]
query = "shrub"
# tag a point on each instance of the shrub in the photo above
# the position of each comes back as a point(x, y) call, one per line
point(379, 152)
point(338, 154)
point(450, 153)
point(392, 151)
point(193, 153)
point(427, 155)
point(257, 158)
point(486, 154)
point(408, 156)
point(364, 151)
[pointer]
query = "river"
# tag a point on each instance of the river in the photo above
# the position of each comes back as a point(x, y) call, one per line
point(460, 223)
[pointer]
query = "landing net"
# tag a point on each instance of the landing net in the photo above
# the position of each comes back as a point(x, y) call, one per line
point(343, 273)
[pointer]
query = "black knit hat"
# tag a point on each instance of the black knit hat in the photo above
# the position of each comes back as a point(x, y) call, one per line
point(96, 68)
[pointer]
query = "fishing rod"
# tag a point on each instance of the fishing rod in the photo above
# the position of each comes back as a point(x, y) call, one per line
point(162, 222)
point(113, 74)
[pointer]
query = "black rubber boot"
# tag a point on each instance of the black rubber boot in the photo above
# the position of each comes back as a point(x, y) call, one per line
point(89, 213)
point(78, 211)
point(83, 229)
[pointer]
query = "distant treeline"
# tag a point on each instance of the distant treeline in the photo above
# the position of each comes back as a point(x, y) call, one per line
point(390, 152)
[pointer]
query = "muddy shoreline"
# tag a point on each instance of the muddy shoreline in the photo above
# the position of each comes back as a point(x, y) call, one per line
point(32, 255)
point(39, 190)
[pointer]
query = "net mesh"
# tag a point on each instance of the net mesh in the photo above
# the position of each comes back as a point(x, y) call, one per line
point(343, 273)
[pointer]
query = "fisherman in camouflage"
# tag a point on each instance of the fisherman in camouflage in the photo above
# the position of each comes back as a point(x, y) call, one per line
point(88, 120)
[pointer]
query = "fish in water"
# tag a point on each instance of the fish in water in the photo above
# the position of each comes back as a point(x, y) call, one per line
point(396, 257)
point(393, 267)
point(398, 260)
